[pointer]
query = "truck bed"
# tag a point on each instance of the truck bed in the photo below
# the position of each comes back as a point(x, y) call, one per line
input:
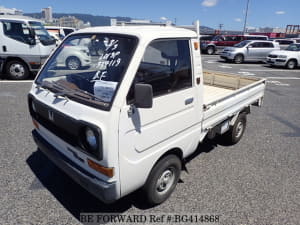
point(227, 94)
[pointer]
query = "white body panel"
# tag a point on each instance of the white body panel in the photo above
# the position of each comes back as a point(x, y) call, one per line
point(133, 142)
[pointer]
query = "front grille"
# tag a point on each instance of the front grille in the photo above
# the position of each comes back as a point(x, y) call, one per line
point(61, 125)
point(272, 56)
point(65, 127)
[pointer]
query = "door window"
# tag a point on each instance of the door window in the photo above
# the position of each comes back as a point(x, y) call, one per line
point(166, 66)
point(17, 31)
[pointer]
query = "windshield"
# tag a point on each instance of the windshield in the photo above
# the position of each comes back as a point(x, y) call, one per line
point(218, 38)
point(293, 47)
point(242, 44)
point(89, 67)
point(42, 33)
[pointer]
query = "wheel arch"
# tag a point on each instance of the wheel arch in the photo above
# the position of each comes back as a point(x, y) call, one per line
point(174, 151)
point(12, 58)
point(294, 59)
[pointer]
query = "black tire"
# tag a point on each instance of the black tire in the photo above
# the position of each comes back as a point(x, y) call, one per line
point(239, 59)
point(73, 63)
point(210, 50)
point(235, 133)
point(162, 180)
point(291, 64)
point(16, 70)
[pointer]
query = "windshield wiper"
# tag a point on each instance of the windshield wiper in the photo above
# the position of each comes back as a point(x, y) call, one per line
point(61, 90)
point(76, 92)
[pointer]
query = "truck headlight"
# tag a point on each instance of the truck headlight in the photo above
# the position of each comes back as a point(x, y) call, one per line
point(91, 139)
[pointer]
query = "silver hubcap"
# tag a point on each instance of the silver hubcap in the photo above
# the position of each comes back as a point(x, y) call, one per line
point(239, 59)
point(291, 64)
point(73, 64)
point(165, 181)
point(17, 70)
point(239, 129)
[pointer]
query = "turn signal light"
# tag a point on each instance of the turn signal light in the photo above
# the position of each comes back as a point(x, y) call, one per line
point(196, 45)
point(36, 125)
point(109, 172)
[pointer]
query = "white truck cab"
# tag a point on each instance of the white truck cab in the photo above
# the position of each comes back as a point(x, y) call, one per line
point(130, 118)
point(25, 45)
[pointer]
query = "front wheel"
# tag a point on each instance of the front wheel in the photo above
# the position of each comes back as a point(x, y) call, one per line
point(162, 180)
point(239, 59)
point(16, 70)
point(291, 64)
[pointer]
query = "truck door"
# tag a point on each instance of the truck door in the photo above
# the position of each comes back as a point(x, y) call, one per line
point(17, 41)
point(166, 66)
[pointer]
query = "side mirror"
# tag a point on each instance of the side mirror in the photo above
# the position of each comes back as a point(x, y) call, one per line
point(31, 41)
point(143, 96)
point(31, 38)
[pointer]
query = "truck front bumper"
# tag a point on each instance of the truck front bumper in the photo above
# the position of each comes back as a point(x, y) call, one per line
point(106, 192)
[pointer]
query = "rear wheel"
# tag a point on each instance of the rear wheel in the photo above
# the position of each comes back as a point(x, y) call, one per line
point(17, 70)
point(235, 133)
point(239, 59)
point(291, 64)
point(210, 50)
point(162, 180)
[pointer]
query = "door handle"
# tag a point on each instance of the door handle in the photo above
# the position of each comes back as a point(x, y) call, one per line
point(4, 48)
point(189, 101)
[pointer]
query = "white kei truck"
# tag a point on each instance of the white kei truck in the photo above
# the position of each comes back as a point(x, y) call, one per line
point(25, 46)
point(129, 120)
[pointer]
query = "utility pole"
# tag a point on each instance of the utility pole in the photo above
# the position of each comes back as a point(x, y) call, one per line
point(221, 26)
point(246, 15)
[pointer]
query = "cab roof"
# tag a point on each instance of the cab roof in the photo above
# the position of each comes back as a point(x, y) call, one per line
point(143, 32)
point(18, 18)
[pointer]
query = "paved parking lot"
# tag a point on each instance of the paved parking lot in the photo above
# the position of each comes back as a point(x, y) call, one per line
point(255, 182)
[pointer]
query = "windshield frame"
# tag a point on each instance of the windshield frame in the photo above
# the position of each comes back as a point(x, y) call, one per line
point(90, 102)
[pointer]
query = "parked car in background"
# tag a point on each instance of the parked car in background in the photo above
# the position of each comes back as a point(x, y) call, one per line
point(284, 43)
point(219, 42)
point(290, 57)
point(58, 33)
point(74, 55)
point(249, 50)
point(204, 39)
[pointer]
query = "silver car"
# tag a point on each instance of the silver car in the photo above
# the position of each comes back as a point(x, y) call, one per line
point(249, 50)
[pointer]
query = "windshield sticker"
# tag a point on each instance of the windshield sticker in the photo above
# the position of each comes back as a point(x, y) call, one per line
point(110, 57)
point(105, 89)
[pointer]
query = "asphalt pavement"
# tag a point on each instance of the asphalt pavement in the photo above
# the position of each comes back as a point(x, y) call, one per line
point(255, 182)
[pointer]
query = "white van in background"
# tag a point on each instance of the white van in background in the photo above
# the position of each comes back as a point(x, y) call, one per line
point(25, 45)
point(59, 32)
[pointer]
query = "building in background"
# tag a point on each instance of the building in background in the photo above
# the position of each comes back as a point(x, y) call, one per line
point(47, 14)
point(70, 21)
point(13, 11)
